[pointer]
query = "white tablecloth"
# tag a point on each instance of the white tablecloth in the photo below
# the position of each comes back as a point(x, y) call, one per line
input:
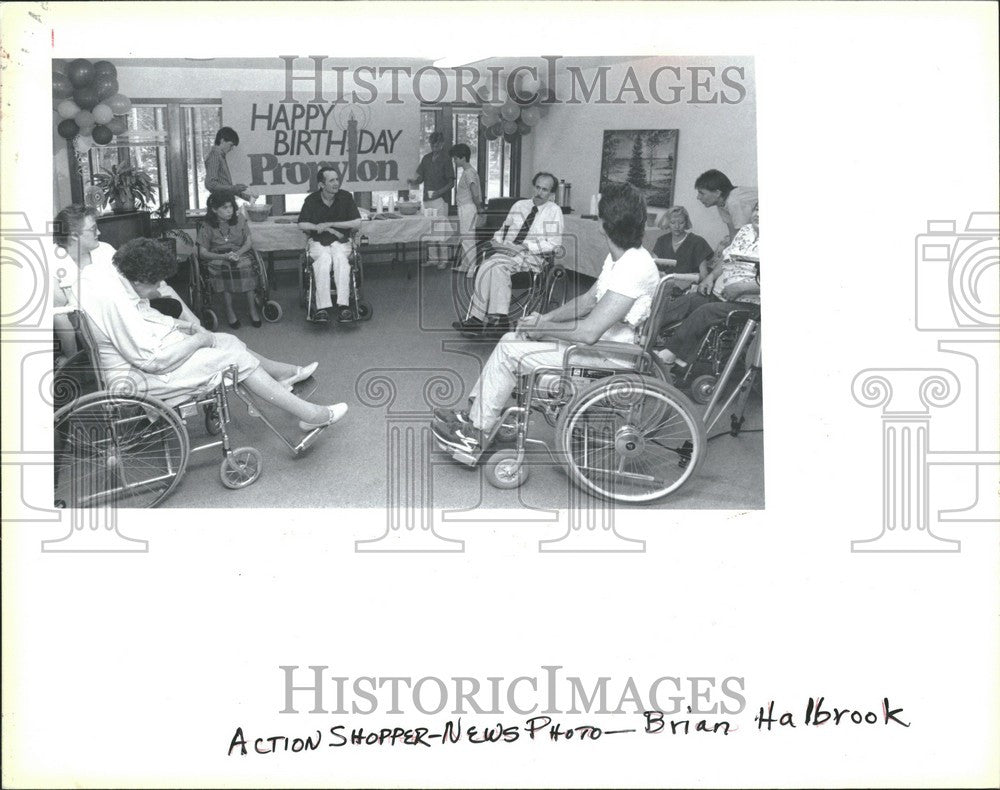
point(274, 236)
point(584, 245)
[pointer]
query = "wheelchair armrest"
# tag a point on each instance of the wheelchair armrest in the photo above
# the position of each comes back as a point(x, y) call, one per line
point(606, 347)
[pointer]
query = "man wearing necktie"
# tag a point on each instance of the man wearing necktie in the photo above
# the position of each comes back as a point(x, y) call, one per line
point(533, 229)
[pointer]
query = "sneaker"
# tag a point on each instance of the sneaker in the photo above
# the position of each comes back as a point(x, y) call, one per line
point(468, 325)
point(336, 411)
point(345, 315)
point(464, 439)
point(321, 317)
point(452, 417)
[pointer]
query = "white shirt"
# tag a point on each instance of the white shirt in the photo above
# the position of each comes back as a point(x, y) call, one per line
point(634, 276)
point(545, 233)
point(738, 208)
point(65, 273)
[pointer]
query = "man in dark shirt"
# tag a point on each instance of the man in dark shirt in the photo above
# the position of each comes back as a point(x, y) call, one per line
point(437, 173)
point(328, 215)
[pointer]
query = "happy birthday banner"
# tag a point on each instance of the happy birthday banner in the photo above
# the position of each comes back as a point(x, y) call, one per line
point(283, 145)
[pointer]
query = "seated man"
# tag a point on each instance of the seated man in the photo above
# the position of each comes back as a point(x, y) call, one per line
point(733, 284)
point(327, 215)
point(611, 310)
point(532, 229)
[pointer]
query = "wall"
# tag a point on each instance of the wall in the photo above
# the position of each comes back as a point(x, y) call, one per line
point(569, 140)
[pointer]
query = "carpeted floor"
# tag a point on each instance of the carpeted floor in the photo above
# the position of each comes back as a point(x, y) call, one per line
point(390, 371)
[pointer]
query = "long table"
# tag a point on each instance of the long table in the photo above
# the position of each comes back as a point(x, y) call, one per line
point(584, 244)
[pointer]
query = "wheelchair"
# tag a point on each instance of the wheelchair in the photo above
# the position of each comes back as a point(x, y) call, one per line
point(200, 291)
point(701, 376)
point(624, 434)
point(530, 291)
point(117, 447)
point(361, 310)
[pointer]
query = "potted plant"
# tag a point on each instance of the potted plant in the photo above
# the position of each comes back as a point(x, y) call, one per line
point(165, 227)
point(124, 187)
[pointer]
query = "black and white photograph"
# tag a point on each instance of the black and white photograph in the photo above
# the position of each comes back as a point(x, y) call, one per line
point(383, 394)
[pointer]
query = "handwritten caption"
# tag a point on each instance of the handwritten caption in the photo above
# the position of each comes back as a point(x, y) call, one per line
point(815, 713)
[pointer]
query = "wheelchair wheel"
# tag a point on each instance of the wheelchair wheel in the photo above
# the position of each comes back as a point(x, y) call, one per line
point(118, 451)
point(555, 290)
point(271, 311)
point(702, 388)
point(209, 319)
point(213, 422)
point(630, 438)
point(504, 471)
point(241, 467)
point(506, 433)
point(365, 311)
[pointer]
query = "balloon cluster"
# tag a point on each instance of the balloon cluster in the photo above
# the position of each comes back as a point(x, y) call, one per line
point(518, 113)
point(91, 110)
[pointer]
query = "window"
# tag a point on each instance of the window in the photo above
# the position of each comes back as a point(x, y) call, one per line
point(201, 123)
point(144, 147)
point(499, 172)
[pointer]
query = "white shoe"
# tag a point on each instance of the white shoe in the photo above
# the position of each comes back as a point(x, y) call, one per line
point(301, 374)
point(336, 411)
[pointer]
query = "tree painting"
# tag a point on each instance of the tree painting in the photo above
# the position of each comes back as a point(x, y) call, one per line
point(645, 158)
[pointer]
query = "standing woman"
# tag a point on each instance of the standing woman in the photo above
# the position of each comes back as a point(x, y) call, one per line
point(224, 243)
point(217, 177)
point(469, 198)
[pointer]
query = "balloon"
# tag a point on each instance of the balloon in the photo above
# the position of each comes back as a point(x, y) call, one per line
point(85, 120)
point(523, 128)
point(491, 134)
point(80, 72)
point(510, 137)
point(530, 115)
point(509, 127)
point(84, 143)
point(62, 88)
point(490, 116)
point(86, 97)
point(102, 113)
point(102, 135)
point(510, 111)
point(483, 93)
point(119, 104)
point(530, 84)
point(497, 128)
point(68, 129)
point(106, 86)
point(67, 108)
point(117, 125)
point(105, 68)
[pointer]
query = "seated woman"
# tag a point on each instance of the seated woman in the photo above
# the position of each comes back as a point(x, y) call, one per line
point(690, 251)
point(175, 359)
point(734, 283)
point(224, 244)
point(77, 244)
point(611, 310)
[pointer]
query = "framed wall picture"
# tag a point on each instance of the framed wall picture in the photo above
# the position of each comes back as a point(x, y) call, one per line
point(645, 158)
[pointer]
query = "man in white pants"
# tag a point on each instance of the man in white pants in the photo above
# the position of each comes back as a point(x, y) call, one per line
point(533, 229)
point(328, 215)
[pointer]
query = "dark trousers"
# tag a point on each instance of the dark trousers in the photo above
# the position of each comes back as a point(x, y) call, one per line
point(698, 313)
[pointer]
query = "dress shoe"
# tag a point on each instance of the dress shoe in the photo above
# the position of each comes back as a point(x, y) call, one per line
point(301, 374)
point(336, 411)
point(468, 325)
point(255, 323)
point(235, 324)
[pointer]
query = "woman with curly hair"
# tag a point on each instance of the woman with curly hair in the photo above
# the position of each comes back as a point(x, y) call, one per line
point(175, 359)
point(224, 244)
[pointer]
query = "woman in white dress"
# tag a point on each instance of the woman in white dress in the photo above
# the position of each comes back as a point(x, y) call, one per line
point(174, 359)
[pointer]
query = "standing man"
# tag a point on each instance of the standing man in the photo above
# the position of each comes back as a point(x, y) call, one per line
point(328, 215)
point(436, 173)
point(532, 230)
point(735, 204)
point(217, 177)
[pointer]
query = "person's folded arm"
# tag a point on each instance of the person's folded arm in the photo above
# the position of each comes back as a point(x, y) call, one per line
point(610, 310)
